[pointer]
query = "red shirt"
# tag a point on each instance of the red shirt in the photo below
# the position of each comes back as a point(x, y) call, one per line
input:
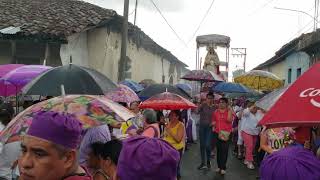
point(221, 121)
point(302, 134)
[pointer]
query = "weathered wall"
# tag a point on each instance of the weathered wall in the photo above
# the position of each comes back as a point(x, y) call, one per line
point(277, 69)
point(104, 53)
point(294, 62)
point(76, 48)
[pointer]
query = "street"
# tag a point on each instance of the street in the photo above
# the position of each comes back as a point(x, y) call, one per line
point(236, 170)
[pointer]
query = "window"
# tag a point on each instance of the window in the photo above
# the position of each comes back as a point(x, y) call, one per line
point(298, 72)
point(289, 75)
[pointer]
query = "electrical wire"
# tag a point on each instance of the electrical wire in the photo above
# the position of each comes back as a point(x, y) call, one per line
point(202, 20)
point(165, 19)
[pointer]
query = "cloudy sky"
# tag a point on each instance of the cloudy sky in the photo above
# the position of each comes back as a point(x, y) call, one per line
point(253, 24)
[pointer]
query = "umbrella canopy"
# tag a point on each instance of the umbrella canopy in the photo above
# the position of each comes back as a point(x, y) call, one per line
point(123, 94)
point(160, 88)
point(291, 163)
point(76, 80)
point(4, 69)
point(12, 82)
point(202, 75)
point(90, 110)
point(228, 87)
point(186, 87)
point(299, 105)
point(167, 101)
point(270, 99)
point(260, 80)
point(136, 87)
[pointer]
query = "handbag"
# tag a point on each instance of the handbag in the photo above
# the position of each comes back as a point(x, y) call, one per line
point(223, 135)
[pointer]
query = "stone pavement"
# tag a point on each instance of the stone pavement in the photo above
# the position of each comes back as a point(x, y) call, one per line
point(236, 169)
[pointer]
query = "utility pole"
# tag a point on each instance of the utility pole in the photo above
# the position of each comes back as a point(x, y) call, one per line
point(316, 14)
point(240, 52)
point(135, 12)
point(124, 38)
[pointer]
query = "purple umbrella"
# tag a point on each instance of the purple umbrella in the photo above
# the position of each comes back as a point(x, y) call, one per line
point(292, 163)
point(13, 81)
point(4, 69)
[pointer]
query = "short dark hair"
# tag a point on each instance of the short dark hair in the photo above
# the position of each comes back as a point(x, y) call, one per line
point(224, 100)
point(178, 113)
point(210, 94)
point(109, 150)
point(5, 117)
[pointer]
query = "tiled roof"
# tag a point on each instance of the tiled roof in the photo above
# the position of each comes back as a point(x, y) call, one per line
point(51, 18)
point(55, 20)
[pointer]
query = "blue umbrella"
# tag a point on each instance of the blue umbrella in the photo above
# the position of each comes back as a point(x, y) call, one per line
point(136, 87)
point(186, 87)
point(227, 87)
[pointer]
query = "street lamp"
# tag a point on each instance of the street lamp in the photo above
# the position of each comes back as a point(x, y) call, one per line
point(299, 11)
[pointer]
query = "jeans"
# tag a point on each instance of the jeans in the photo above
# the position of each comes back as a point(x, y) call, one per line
point(222, 152)
point(205, 134)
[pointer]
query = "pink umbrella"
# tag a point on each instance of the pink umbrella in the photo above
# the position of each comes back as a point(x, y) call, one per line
point(15, 79)
point(123, 94)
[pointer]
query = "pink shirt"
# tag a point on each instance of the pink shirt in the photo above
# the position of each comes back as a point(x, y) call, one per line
point(150, 132)
point(221, 121)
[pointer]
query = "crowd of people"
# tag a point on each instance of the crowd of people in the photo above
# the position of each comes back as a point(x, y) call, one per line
point(236, 123)
point(56, 146)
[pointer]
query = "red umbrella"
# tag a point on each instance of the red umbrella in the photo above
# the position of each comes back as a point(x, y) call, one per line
point(167, 101)
point(299, 105)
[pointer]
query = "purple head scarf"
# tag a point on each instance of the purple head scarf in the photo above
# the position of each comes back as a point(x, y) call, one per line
point(292, 163)
point(62, 129)
point(145, 158)
point(94, 134)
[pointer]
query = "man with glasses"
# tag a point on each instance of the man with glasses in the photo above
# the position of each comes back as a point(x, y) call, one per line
point(206, 110)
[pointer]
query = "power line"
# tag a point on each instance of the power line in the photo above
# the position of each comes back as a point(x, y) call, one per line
point(202, 20)
point(177, 35)
point(261, 7)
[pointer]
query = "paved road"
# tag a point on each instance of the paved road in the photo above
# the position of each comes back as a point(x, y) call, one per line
point(236, 170)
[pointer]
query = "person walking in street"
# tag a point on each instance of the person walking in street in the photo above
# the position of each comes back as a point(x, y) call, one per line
point(250, 132)
point(206, 110)
point(174, 134)
point(51, 153)
point(222, 119)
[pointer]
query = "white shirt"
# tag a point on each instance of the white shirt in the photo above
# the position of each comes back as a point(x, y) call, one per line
point(1, 127)
point(250, 121)
point(8, 156)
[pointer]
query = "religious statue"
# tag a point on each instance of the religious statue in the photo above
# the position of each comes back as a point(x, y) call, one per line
point(212, 62)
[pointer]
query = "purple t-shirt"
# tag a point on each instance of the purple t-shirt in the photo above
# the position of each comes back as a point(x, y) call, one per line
point(206, 112)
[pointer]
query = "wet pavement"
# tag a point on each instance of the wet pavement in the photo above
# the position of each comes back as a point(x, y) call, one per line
point(236, 170)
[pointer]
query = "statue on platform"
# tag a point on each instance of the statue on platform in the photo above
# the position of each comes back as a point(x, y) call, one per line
point(212, 62)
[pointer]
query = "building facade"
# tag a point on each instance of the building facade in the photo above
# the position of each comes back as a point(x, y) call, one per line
point(294, 58)
point(87, 35)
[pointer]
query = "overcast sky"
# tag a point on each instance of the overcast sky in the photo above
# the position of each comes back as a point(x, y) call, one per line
point(253, 24)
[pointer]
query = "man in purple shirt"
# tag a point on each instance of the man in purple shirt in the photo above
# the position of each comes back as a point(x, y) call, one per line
point(206, 110)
